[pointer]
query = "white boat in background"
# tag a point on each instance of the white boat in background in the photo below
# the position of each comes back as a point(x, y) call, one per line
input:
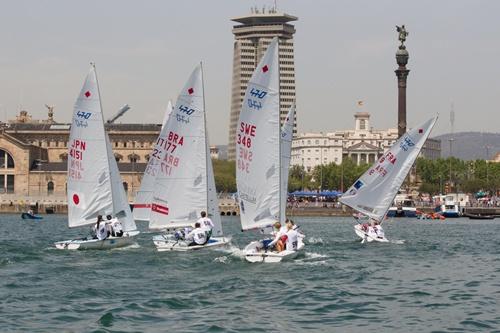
point(263, 157)
point(448, 207)
point(184, 184)
point(94, 183)
point(144, 197)
point(373, 193)
point(403, 206)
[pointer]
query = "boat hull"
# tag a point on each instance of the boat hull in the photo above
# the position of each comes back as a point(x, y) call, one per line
point(404, 212)
point(167, 242)
point(96, 244)
point(254, 252)
point(479, 217)
point(367, 236)
point(28, 216)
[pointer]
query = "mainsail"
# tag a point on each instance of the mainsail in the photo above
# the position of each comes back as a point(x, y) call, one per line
point(144, 197)
point(183, 181)
point(286, 151)
point(373, 193)
point(258, 145)
point(94, 185)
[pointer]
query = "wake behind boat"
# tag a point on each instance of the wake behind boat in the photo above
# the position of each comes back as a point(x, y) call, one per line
point(94, 185)
point(184, 184)
point(263, 159)
point(373, 193)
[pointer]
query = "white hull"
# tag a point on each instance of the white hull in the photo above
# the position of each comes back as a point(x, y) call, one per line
point(167, 242)
point(368, 237)
point(96, 244)
point(254, 252)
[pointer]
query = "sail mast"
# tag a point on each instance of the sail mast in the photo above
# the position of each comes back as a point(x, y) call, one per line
point(104, 129)
point(282, 210)
point(205, 132)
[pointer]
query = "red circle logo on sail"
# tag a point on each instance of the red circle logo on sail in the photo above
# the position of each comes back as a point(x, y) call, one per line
point(76, 199)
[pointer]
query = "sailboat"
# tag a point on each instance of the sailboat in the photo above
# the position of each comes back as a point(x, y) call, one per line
point(184, 183)
point(262, 164)
point(144, 197)
point(94, 183)
point(373, 193)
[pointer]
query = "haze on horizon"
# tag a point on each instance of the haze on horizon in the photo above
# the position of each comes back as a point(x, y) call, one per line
point(344, 52)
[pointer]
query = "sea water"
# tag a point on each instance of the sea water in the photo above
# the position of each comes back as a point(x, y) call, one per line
point(432, 277)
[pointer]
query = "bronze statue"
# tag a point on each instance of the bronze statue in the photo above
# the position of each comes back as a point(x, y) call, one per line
point(402, 34)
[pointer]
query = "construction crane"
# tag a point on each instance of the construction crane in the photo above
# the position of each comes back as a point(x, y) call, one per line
point(120, 113)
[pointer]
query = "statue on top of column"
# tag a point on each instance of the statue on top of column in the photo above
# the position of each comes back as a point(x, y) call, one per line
point(402, 35)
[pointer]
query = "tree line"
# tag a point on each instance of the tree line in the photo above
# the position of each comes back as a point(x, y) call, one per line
point(432, 176)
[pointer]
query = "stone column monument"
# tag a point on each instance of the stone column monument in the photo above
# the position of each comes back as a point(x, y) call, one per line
point(402, 56)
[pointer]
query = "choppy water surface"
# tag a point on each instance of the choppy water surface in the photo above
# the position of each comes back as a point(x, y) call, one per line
point(433, 277)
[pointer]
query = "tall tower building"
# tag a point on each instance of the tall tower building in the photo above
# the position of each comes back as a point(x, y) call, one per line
point(252, 37)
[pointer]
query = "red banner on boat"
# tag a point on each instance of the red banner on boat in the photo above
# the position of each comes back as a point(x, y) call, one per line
point(159, 209)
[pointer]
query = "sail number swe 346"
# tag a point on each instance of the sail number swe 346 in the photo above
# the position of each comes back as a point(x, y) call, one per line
point(244, 142)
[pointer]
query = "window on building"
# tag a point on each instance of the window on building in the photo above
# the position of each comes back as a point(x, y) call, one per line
point(133, 158)
point(362, 124)
point(316, 142)
point(9, 184)
point(6, 160)
point(50, 188)
point(125, 187)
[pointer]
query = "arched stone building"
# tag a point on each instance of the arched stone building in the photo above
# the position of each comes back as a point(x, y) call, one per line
point(33, 157)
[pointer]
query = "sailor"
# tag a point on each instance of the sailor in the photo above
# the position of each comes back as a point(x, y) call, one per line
point(197, 236)
point(379, 230)
point(117, 227)
point(206, 224)
point(95, 227)
point(101, 229)
point(296, 228)
point(109, 225)
point(292, 237)
point(279, 238)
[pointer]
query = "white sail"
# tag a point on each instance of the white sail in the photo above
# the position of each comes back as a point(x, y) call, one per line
point(144, 197)
point(121, 207)
point(181, 184)
point(212, 199)
point(258, 145)
point(373, 193)
point(168, 111)
point(92, 170)
point(286, 152)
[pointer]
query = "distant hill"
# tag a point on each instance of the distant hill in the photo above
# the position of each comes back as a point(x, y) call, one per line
point(470, 145)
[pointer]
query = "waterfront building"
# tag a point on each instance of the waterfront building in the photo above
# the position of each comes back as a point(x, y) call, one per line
point(33, 156)
point(252, 34)
point(363, 144)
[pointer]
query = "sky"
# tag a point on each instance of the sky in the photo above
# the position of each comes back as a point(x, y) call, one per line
point(344, 52)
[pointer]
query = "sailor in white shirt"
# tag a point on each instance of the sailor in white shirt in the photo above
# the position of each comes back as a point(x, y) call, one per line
point(292, 237)
point(117, 227)
point(101, 230)
point(206, 224)
point(197, 236)
point(379, 230)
